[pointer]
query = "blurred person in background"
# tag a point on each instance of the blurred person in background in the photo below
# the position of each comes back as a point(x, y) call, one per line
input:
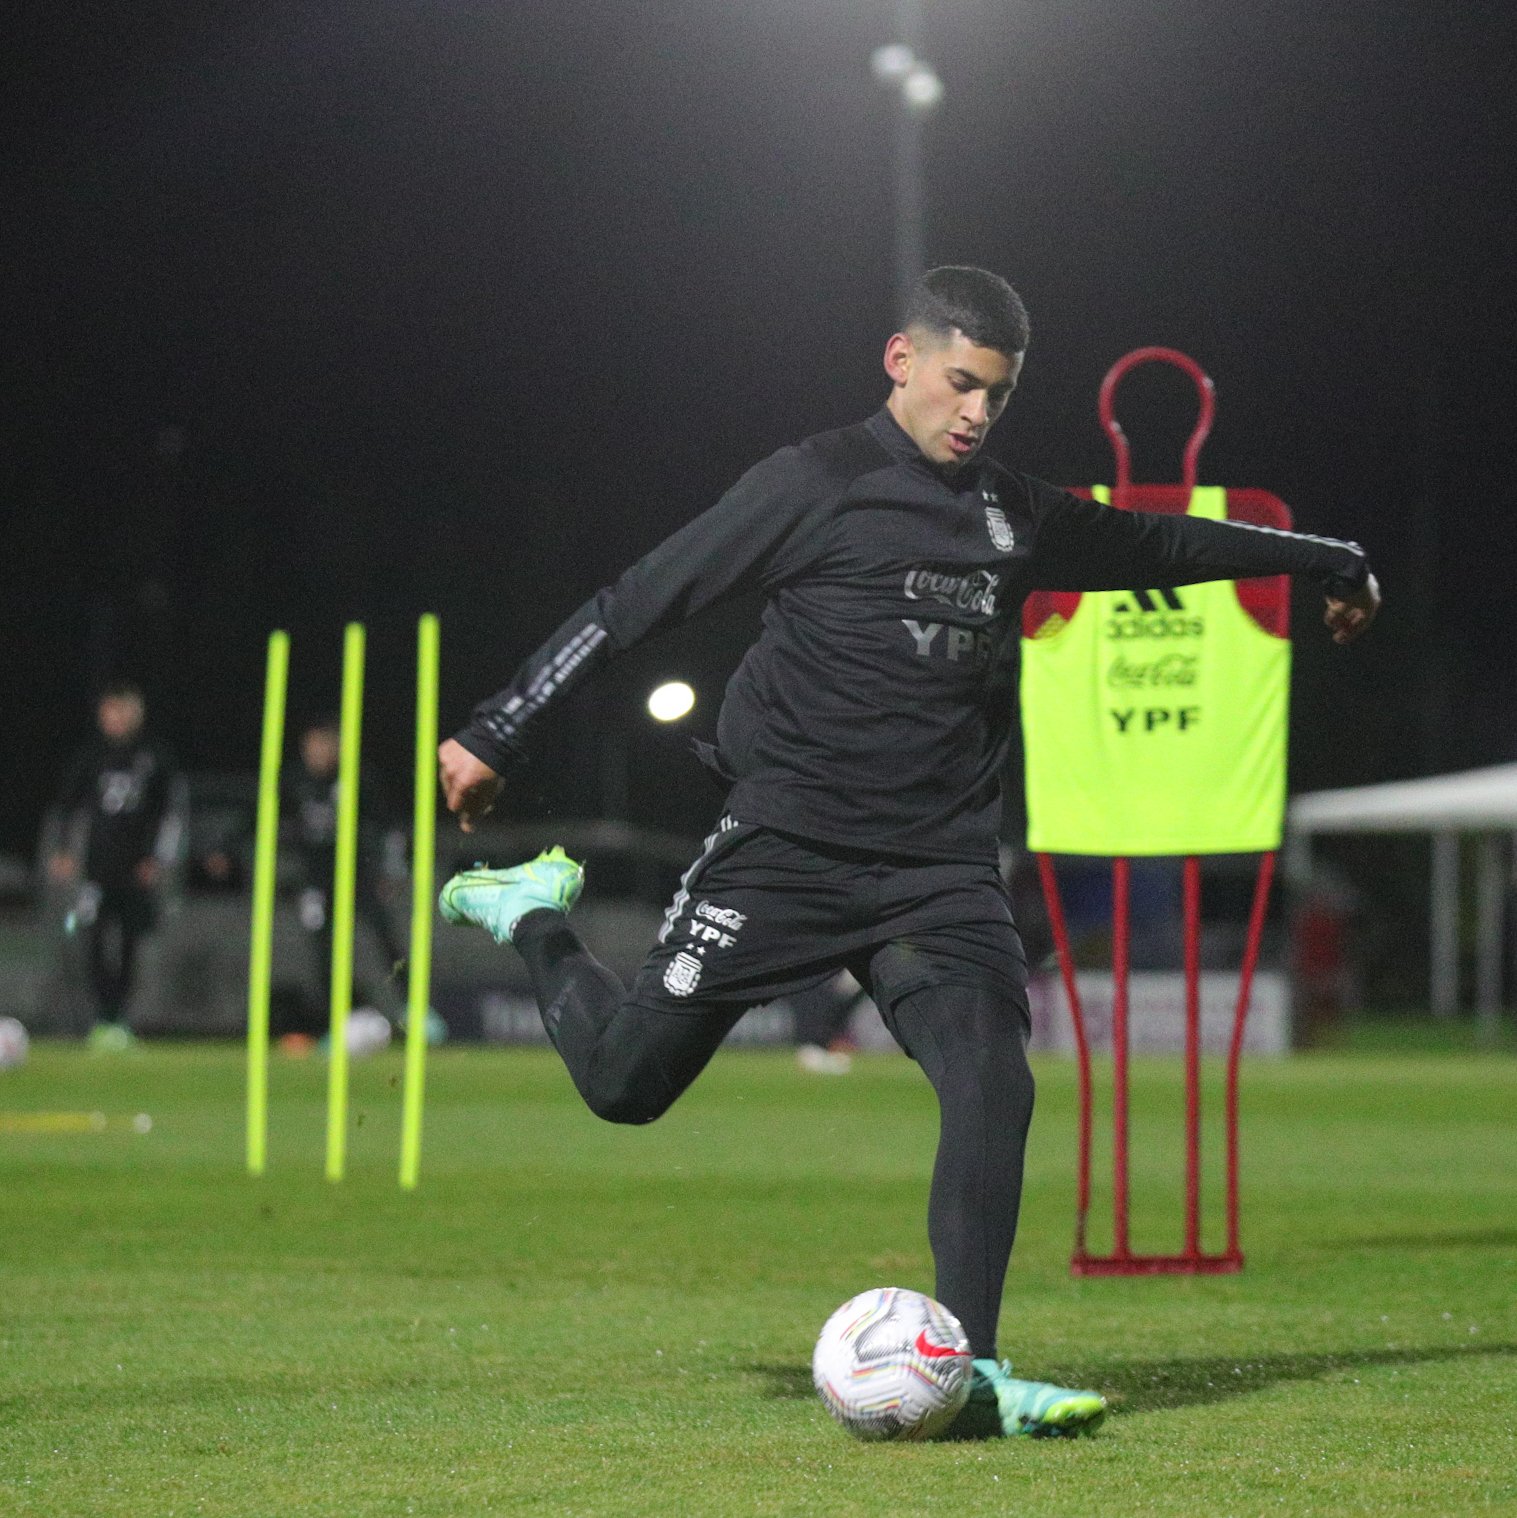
point(113, 800)
point(1324, 976)
point(822, 1017)
point(310, 804)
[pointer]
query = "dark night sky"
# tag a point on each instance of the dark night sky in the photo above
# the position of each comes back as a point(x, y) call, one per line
point(341, 310)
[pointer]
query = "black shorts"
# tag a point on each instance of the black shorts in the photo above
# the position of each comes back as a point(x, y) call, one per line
point(761, 914)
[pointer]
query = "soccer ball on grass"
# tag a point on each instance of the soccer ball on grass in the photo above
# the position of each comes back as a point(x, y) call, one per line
point(892, 1364)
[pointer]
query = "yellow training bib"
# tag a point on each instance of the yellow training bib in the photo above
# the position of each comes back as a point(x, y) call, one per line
point(1155, 721)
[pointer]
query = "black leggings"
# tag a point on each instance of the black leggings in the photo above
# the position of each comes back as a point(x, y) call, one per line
point(369, 909)
point(124, 914)
point(630, 1062)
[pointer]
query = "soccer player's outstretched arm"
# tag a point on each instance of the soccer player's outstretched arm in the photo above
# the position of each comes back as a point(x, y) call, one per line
point(1083, 545)
point(752, 537)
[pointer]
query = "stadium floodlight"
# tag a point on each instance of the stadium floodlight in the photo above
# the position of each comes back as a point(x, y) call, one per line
point(671, 701)
point(918, 90)
point(921, 89)
point(892, 63)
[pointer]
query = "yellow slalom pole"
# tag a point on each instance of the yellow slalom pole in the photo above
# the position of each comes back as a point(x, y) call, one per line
point(423, 842)
point(265, 861)
point(345, 877)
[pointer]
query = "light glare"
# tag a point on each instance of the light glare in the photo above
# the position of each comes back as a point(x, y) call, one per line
point(671, 701)
point(892, 63)
point(922, 89)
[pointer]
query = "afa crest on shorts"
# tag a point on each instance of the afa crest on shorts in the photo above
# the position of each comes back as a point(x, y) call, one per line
point(682, 974)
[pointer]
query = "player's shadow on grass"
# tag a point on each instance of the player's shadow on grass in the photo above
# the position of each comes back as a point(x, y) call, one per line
point(1147, 1386)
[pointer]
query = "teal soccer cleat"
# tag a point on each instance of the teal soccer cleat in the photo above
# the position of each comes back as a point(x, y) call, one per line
point(496, 900)
point(1001, 1406)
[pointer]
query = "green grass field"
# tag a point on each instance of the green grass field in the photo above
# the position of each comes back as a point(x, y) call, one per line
point(569, 1318)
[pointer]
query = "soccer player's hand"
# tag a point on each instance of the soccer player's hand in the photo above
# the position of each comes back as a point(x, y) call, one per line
point(1348, 619)
point(469, 784)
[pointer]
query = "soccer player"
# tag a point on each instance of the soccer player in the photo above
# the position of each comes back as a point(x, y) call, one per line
point(311, 797)
point(862, 740)
point(113, 801)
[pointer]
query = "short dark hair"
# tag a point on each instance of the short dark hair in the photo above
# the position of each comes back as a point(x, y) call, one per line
point(119, 690)
point(976, 302)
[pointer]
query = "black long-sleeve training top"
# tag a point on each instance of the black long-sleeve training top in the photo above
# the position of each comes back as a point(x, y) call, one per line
point(875, 709)
point(122, 790)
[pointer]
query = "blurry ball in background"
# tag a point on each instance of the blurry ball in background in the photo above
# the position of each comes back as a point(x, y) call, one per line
point(368, 1031)
point(13, 1044)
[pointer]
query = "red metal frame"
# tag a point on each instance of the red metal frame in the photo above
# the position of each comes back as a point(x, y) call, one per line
point(1192, 1260)
point(1267, 601)
point(1206, 395)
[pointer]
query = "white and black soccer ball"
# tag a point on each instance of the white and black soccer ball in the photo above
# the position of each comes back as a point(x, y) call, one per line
point(13, 1043)
point(892, 1364)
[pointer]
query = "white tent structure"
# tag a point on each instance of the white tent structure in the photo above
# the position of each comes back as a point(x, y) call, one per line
point(1482, 802)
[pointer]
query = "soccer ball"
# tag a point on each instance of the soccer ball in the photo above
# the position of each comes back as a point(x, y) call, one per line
point(368, 1032)
point(892, 1364)
point(13, 1043)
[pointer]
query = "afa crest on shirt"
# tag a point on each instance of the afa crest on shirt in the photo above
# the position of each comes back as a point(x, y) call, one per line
point(1000, 529)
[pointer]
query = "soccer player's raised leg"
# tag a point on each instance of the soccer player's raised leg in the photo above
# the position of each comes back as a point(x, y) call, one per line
point(628, 1062)
point(496, 900)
